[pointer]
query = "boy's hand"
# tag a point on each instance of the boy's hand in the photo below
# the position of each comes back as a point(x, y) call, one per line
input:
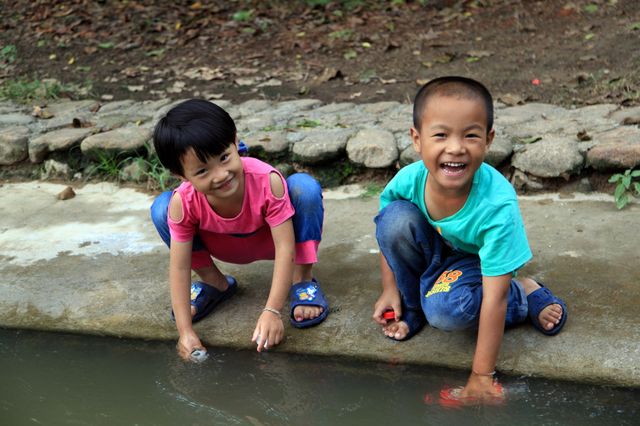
point(389, 299)
point(482, 390)
point(269, 331)
point(187, 343)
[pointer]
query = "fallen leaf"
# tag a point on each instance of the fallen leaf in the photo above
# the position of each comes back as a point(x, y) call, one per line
point(479, 53)
point(245, 81)
point(355, 95)
point(41, 112)
point(205, 73)
point(272, 82)
point(530, 139)
point(139, 88)
point(390, 81)
point(327, 74)
point(422, 81)
point(350, 54)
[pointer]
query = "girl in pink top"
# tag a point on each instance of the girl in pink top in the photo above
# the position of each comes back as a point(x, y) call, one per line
point(236, 210)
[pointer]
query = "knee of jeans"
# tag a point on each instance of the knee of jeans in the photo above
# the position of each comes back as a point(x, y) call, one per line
point(304, 191)
point(159, 209)
point(447, 317)
point(397, 219)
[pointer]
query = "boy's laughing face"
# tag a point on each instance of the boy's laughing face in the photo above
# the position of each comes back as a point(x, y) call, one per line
point(452, 142)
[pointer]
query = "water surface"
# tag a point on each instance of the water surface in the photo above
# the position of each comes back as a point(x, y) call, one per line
point(59, 379)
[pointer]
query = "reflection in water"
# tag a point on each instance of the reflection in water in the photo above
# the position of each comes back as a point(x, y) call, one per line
point(62, 379)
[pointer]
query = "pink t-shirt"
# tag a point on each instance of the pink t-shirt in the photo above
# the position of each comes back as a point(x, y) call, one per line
point(260, 208)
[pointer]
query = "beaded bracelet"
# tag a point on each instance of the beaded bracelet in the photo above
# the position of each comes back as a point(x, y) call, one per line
point(273, 311)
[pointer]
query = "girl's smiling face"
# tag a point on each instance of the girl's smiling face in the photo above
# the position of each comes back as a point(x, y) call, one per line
point(220, 177)
point(452, 142)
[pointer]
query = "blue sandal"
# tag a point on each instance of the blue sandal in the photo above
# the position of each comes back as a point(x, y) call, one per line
point(307, 293)
point(205, 297)
point(540, 299)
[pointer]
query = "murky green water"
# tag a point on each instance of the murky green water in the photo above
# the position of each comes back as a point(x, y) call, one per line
point(57, 379)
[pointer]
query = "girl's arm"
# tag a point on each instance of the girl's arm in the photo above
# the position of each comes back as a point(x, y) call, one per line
point(491, 329)
point(270, 329)
point(180, 286)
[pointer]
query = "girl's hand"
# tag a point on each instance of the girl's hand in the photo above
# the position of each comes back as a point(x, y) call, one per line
point(389, 299)
point(187, 343)
point(269, 330)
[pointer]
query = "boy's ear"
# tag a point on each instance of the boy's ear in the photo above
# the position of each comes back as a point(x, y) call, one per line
point(415, 137)
point(490, 137)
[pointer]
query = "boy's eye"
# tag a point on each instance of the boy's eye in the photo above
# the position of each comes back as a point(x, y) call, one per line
point(473, 135)
point(439, 135)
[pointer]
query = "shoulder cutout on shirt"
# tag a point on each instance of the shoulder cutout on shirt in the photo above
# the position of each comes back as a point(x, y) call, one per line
point(277, 186)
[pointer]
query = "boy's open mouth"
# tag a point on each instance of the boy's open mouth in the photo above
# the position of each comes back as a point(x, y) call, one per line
point(453, 168)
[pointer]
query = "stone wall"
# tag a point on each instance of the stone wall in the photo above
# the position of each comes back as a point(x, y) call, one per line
point(540, 141)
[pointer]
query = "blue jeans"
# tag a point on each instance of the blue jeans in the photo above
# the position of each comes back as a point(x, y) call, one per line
point(305, 194)
point(445, 284)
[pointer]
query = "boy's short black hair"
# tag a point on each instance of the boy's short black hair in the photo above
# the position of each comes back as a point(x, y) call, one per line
point(455, 86)
point(194, 124)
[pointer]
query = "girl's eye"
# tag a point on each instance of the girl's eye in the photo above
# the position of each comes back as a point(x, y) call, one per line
point(224, 157)
point(201, 172)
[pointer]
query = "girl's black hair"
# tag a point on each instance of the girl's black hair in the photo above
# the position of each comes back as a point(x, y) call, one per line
point(452, 86)
point(194, 124)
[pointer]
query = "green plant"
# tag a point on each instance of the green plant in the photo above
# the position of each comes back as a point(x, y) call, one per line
point(243, 15)
point(8, 54)
point(25, 91)
point(157, 176)
point(308, 123)
point(625, 187)
point(372, 190)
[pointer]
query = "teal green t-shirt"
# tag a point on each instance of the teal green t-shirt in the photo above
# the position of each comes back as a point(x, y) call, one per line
point(489, 224)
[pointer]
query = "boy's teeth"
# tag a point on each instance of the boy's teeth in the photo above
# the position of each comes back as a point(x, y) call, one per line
point(454, 164)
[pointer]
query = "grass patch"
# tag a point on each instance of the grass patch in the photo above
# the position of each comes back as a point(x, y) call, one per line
point(27, 91)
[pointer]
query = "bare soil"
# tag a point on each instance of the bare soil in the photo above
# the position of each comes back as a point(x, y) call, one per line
point(575, 52)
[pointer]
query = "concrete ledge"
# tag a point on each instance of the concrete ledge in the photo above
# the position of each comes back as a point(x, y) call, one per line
point(93, 264)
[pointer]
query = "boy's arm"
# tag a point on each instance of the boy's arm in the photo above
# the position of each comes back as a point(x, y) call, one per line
point(390, 297)
point(491, 329)
point(270, 328)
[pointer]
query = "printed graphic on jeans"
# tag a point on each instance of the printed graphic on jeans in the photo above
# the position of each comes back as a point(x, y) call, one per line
point(307, 293)
point(443, 283)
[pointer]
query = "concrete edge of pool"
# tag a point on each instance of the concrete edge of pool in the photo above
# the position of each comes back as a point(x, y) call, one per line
point(93, 264)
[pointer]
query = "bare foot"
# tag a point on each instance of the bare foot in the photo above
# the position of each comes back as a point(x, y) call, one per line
point(306, 312)
point(550, 316)
point(397, 330)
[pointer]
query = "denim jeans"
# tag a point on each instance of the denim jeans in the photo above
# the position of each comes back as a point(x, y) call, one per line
point(445, 284)
point(305, 194)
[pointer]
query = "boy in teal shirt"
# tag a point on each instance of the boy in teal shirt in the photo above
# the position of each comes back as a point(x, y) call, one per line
point(452, 238)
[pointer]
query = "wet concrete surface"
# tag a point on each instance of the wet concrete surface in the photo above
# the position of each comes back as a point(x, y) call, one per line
point(94, 264)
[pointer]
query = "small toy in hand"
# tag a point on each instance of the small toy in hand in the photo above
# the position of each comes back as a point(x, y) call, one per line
point(389, 315)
